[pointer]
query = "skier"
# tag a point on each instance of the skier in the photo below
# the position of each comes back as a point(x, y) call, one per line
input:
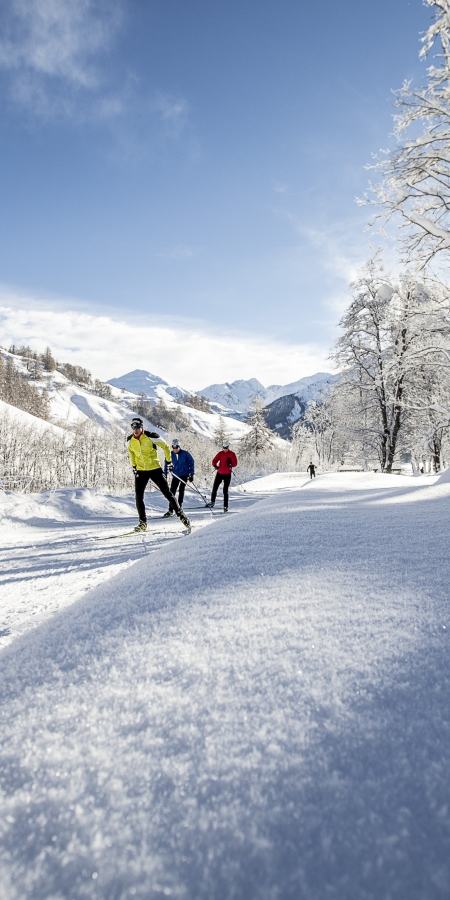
point(312, 470)
point(144, 459)
point(183, 470)
point(224, 462)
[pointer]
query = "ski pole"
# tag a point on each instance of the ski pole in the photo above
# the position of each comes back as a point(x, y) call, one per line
point(192, 485)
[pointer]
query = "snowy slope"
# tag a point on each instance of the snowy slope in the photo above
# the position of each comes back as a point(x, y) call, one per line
point(261, 714)
point(71, 404)
point(24, 419)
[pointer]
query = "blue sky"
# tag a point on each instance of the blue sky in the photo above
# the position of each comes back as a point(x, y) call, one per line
point(192, 165)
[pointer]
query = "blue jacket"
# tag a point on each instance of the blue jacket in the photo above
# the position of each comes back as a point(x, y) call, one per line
point(183, 464)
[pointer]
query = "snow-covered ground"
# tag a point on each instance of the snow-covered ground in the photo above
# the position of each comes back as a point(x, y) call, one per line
point(258, 711)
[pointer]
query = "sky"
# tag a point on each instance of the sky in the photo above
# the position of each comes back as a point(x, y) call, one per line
point(182, 176)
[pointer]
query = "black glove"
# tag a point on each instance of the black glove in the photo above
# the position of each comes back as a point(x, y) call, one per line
point(135, 471)
point(190, 478)
point(229, 464)
point(170, 467)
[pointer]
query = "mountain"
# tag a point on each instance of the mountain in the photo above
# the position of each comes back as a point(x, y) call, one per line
point(308, 388)
point(72, 403)
point(141, 382)
point(283, 413)
point(235, 397)
point(284, 404)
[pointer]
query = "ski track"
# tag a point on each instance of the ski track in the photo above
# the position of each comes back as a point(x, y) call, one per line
point(259, 711)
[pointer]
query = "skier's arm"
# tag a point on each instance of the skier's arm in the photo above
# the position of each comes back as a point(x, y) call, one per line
point(167, 464)
point(215, 460)
point(132, 456)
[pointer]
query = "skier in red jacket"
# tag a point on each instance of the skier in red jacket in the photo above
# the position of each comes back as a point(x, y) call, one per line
point(224, 462)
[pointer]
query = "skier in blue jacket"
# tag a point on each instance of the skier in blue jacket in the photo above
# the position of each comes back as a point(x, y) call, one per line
point(183, 470)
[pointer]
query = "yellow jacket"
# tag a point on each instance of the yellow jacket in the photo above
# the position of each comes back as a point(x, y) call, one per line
point(143, 454)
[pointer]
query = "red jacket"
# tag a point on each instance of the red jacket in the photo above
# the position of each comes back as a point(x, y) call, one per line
point(227, 461)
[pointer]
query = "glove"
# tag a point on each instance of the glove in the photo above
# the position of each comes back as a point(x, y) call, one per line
point(229, 464)
point(190, 478)
point(135, 471)
point(170, 467)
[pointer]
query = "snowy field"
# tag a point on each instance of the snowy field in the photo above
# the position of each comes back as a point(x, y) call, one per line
point(259, 711)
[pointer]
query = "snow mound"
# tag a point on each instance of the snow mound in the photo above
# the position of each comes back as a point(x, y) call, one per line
point(62, 505)
point(259, 711)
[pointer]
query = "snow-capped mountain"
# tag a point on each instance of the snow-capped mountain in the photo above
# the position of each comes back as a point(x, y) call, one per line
point(308, 388)
point(141, 382)
point(236, 396)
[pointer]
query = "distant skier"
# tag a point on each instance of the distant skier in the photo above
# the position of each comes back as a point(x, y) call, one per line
point(312, 470)
point(183, 470)
point(224, 462)
point(144, 459)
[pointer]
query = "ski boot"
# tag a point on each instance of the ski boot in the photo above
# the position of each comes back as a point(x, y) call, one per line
point(184, 520)
point(168, 513)
point(141, 527)
point(225, 509)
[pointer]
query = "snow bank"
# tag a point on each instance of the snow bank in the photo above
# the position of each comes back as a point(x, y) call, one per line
point(257, 711)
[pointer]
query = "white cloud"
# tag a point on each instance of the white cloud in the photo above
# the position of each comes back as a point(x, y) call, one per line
point(57, 38)
point(190, 355)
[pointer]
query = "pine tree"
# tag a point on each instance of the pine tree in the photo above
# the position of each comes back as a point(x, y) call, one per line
point(260, 439)
point(48, 361)
point(221, 434)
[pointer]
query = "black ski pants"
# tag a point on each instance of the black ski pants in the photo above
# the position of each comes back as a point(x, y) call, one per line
point(226, 484)
point(179, 485)
point(140, 483)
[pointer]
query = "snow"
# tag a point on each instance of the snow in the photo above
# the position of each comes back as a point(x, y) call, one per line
point(25, 419)
point(71, 404)
point(237, 396)
point(259, 710)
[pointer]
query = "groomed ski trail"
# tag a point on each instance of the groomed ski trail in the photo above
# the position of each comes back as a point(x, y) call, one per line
point(261, 712)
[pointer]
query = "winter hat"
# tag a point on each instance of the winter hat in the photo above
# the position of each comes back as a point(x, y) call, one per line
point(136, 423)
point(175, 442)
point(225, 445)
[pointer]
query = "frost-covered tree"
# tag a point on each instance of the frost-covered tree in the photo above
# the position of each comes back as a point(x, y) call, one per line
point(48, 360)
point(390, 330)
point(319, 435)
point(260, 439)
point(415, 183)
point(17, 391)
point(221, 433)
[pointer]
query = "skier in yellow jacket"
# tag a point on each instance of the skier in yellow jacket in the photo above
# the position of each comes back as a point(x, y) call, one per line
point(142, 448)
